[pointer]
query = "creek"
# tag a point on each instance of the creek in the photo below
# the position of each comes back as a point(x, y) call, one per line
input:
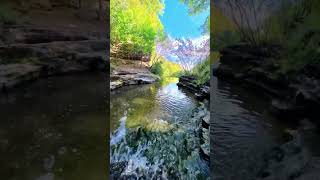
point(242, 131)
point(154, 133)
point(55, 128)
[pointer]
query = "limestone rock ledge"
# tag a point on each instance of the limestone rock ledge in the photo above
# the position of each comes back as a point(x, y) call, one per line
point(121, 78)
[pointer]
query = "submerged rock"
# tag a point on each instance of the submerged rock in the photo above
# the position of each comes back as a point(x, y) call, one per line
point(201, 93)
point(170, 154)
point(116, 169)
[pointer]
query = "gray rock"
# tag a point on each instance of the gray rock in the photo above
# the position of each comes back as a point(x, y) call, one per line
point(31, 52)
point(119, 79)
point(188, 82)
point(294, 97)
point(14, 74)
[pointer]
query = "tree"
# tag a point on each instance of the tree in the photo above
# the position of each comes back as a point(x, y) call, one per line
point(196, 7)
point(252, 18)
point(136, 23)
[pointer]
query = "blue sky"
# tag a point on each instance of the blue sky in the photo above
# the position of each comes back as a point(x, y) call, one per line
point(178, 23)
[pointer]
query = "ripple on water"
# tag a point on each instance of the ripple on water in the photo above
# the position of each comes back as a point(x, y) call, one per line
point(162, 142)
point(240, 131)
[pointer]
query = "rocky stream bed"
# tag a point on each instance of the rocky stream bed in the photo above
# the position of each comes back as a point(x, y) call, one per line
point(163, 132)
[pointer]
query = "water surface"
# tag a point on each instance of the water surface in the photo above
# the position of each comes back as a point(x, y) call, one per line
point(55, 128)
point(242, 130)
point(154, 134)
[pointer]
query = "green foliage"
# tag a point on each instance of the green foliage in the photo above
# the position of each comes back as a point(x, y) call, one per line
point(21, 60)
point(214, 57)
point(196, 6)
point(220, 22)
point(156, 68)
point(7, 14)
point(223, 31)
point(223, 39)
point(202, 72)
point(302, 50)
point(136, 23)
point(165, 68)
point(294, 26)
point(297, 29)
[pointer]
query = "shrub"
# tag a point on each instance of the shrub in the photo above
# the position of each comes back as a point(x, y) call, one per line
point(156, 68)
point(300, 35)
point(165, 68)
point(202, 72)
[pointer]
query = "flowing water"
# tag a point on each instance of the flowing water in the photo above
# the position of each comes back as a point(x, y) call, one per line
point(242, 130)
point(55, 128)
point(154, 133)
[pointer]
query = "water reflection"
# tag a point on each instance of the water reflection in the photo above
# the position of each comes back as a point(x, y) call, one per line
point(242, 131)
point(153, 133)
point(55, 129)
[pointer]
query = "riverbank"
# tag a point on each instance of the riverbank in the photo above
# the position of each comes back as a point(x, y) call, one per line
point(126, 75)
point(29, 53)
point(130, 72)
point(293, 96)
point(292, 99)
point(202, 93)
point(49, 39)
